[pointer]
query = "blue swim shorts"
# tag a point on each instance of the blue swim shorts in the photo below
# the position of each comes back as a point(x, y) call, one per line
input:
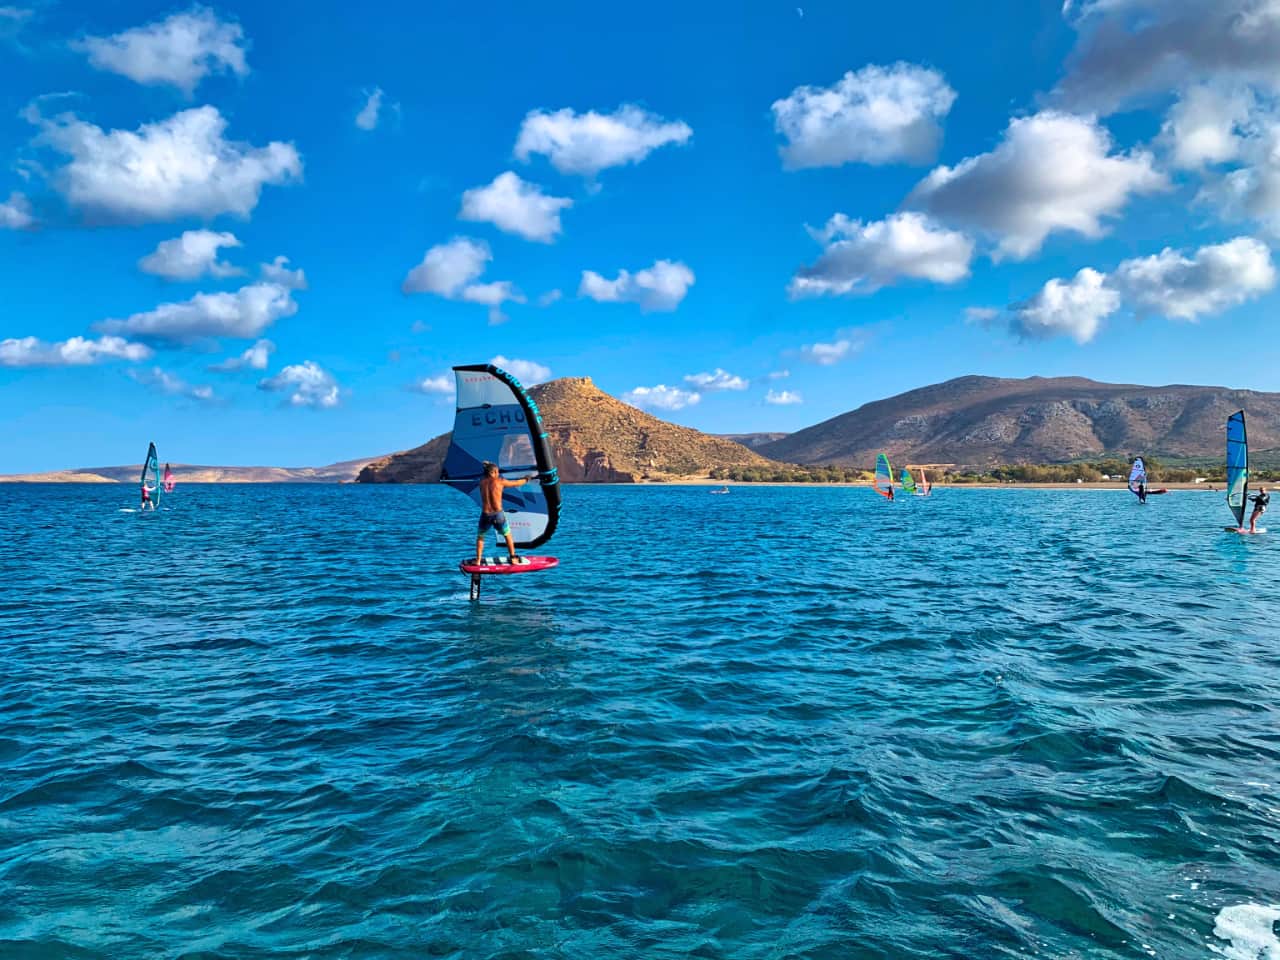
point(493, 521)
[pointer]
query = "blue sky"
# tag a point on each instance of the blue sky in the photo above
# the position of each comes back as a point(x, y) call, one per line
point(741, 216)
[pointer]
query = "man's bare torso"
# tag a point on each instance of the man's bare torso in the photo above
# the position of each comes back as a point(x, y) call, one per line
point(491, 494)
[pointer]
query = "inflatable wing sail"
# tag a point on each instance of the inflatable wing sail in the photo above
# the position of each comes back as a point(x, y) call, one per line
point(499, 422)
point(151, 474)
point(1137, 475)
point(884, 476)
point(1237, 466)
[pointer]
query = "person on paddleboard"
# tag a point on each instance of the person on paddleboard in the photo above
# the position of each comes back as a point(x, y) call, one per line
point(492, 516)
point(1261, 500)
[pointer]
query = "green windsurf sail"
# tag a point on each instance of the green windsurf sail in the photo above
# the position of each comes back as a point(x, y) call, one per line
point(908, 481)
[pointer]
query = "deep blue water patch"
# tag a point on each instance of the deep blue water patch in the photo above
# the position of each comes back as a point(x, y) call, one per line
point(782, 723)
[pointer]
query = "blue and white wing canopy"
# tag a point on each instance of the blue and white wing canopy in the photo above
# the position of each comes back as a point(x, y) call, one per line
point(498, 421)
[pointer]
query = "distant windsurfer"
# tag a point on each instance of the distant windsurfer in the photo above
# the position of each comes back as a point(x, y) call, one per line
point(1141, 492)
point(147, 502)
point(1261, 500)
point(168, 479)
point(889, 492)
point(492, 516)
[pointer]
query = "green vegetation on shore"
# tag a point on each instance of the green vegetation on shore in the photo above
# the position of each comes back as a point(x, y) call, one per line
point(1088, 471)
point(790, 473)
point(1092, 471)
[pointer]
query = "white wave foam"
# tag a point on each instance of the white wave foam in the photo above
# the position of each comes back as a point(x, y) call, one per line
point(1251, 929)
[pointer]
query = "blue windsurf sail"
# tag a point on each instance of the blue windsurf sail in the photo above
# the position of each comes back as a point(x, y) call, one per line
point(1237, 466)
point(1137, 474)
point(499, 422)
point(151, 475)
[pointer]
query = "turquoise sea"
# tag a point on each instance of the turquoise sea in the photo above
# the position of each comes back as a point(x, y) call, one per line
point(788, 722)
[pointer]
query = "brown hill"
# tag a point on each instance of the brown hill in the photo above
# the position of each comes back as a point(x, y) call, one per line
point(752, 441)
point(984, 420)
point(596, 438)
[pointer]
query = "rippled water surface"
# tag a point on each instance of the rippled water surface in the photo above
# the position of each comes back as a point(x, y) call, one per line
point(781, 723)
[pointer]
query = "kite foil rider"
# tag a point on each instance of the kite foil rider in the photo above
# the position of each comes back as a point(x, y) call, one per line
point(492, 516)
point(1261, 500)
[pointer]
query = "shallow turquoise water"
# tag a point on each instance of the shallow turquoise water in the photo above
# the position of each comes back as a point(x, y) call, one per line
point(782, 723)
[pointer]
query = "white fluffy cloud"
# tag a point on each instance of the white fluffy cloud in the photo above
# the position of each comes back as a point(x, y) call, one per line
point(828, 354)
point(1203, 127)
point(310, 383)
point(783, 397)
point(15, 213)
point(586, 143)
point(1250, 191)
point(716, 380)
point(168, 383)
point(278, 272)
point(443, 385)
point(1052, 172)
point(981, 316)
point(516, 206)
point(550, 297)
point(1131, 48)
point(661, 397)
point(1169, 284)
point(367, 118)
point(863, 257)
point(658, 288)
point(190, 256)
point(179, 51)
point(526, 371)
point(448, 267)
point(493, 295)
point(1217, 277)
point(876, 115)
point(1073, 308)
point(75, 352)
point(243, 313)
point(255, 357)
point(179, 167)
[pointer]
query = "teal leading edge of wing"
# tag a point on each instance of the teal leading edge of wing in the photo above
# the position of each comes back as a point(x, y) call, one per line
point(498, 421)
point(151, 470)
point(1237, 466)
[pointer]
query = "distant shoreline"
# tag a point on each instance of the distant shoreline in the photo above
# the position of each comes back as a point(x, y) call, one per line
point(937, 486)
point(94, 480)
